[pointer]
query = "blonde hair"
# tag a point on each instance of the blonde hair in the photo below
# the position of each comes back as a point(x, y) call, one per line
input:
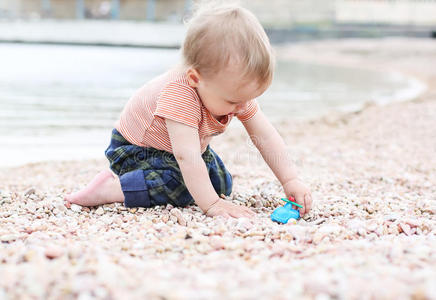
point(218, 33)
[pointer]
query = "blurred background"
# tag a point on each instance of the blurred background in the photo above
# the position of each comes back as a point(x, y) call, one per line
point(67, 67)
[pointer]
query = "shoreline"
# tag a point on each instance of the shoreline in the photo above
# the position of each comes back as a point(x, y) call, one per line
point(372, 178)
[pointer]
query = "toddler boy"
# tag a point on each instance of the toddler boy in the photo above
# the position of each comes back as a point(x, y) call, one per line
point(160, 145)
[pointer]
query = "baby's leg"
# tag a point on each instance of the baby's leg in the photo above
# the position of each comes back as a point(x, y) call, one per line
point(104, 188)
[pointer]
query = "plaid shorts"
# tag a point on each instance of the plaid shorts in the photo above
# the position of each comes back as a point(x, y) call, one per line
point(151, 177)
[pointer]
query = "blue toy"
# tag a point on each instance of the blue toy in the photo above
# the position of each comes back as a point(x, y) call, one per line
point(282, 214)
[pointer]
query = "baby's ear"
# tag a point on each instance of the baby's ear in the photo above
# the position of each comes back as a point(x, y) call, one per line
point(193, 77)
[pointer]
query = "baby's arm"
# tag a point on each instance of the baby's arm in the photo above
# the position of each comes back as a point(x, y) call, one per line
point(186, 146)
point(273, 149)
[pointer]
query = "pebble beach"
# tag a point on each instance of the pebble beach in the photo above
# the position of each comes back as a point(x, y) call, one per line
point(370, 235)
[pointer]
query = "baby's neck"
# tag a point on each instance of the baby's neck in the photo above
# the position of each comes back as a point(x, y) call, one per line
point(221, 119)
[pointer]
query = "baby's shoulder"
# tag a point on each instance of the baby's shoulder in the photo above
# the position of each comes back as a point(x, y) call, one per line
point(169, 82)
point(177, 83)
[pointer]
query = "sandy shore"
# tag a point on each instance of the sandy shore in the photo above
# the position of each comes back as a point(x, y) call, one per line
point(370, 235)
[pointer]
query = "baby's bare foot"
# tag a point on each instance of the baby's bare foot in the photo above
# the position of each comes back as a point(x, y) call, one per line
point(104, 188)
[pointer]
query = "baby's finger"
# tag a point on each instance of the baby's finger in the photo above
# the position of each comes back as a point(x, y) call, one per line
point(245, 215)
point(308, 202)
point(293, 200)
point(249, 211)
point(237, 213)
point(297, 199)
point(246, 212)
point(225, 215)
point(300, 200)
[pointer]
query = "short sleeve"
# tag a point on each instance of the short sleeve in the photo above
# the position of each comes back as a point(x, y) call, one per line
point(249, 112)
point(180, 103)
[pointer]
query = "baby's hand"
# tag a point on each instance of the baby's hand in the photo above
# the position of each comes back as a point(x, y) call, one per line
point(301, 193)
point(227, 209)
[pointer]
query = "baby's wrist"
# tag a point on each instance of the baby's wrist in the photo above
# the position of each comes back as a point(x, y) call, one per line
point(291, 181)
point(206, 210)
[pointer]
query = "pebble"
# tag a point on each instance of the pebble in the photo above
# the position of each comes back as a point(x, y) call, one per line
point(76, 208)
point(29, 255)
point(361, 231)
point(165, 218)
point(173, 219)
point(330, 229)
point(244, 224)
point(179, 217)
point(318, 221)
point(297, 231)
point(413, 222)
point(99, 211)
point(74, 251)
point(405, 228)
point(258, 204)
point(31, 206)
point(318, 236)
point(217, 242)
point(30, 191)
point(372, 226)
point(392, 217)
point(53, 251)
point(8, 237)
point(61, 207)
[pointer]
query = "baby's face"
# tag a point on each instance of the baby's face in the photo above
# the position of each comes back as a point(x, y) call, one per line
point(227, 93)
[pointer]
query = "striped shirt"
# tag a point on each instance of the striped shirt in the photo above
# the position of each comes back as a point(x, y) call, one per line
point(169, 96)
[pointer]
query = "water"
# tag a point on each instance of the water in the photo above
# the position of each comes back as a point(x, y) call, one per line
point(60, 102)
